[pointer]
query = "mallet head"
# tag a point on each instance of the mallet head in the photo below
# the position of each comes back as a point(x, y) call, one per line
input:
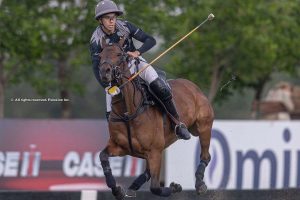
point(211, 16)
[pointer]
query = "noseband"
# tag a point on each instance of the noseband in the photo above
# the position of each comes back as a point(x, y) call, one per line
point(116, 72)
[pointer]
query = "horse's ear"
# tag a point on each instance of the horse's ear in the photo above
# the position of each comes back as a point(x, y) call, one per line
point(121, 42)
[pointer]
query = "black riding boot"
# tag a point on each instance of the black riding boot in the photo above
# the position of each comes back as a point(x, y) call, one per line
point(163, 92)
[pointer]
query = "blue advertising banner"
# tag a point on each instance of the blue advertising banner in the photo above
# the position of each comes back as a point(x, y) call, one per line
point(245, 155)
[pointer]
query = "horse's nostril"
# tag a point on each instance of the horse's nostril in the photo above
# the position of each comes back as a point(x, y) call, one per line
point(107, 70)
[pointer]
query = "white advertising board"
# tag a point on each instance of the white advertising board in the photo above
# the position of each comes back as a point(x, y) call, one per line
point(245, 155)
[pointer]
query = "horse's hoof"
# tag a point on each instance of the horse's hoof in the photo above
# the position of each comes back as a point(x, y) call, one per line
point(201, 189)
point(119, 193)
point(175, 187)
point(130, 193)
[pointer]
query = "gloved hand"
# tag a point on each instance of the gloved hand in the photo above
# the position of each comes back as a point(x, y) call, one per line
point(113, 91)
point(134, 54)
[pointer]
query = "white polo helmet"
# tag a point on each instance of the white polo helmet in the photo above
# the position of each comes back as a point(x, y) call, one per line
point(105, 7)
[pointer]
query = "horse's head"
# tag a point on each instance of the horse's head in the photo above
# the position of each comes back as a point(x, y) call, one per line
point(113, 61)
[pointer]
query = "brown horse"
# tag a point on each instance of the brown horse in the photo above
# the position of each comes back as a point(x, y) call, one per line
point(139, 130)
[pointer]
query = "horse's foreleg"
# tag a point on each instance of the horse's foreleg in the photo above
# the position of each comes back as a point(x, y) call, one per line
point(117, 191)
point(154, 161)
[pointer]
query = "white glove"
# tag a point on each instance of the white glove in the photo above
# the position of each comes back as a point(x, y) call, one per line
point(113, 91)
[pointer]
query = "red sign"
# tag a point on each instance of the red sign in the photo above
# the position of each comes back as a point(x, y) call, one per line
point(58, 155)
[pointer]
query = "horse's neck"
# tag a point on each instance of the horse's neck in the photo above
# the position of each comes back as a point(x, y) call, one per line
point(132, 97)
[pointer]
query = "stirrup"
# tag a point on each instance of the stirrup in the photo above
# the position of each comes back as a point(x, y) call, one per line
point(180, 125)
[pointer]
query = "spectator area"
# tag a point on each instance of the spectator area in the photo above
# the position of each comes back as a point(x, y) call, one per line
point(272, 107)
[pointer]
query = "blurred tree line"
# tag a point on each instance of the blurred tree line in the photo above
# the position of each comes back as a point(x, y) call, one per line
point(44, 48)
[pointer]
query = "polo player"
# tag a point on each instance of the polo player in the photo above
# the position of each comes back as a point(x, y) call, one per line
point(111, 29)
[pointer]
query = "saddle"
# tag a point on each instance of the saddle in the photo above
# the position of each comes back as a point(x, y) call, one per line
point(149, 96)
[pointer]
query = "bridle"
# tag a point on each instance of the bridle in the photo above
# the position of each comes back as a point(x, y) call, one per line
point(117, 73)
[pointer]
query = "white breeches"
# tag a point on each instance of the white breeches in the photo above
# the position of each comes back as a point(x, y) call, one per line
point(148, 75)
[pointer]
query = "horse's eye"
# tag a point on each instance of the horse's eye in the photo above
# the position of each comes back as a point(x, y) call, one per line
point(119, 54)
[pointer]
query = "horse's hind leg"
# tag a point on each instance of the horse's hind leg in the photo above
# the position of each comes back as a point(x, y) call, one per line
point(154, 160)
point(204, 127)
point(117, 191)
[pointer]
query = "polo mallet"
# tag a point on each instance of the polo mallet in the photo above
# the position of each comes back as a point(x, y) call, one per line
point(115, 89)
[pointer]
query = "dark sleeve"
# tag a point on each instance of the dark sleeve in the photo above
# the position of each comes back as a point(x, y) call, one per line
point(95, 50)
point(138, 34)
